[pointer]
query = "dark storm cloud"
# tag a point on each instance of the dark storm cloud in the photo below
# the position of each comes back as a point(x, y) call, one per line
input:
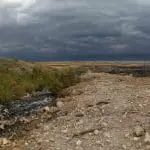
point(68, 29)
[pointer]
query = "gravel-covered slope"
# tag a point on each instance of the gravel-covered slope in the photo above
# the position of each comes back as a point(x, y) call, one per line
point(104, 112)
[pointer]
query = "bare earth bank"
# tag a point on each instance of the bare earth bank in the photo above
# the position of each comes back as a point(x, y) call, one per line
point(104, 112)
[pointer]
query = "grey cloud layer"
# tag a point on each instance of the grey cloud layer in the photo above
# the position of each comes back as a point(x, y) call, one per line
point(76, 28)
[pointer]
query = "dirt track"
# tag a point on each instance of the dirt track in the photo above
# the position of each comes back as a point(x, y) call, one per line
point(99, 113)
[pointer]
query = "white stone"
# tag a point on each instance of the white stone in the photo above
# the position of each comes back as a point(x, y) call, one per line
point(98, 142)
point(4, 141)
point(140, 105)
point(147, 138)
point(60, 104)
point(124, 146)
point(127, 135)
point(107, 134)
point(139, 131)
point(135, 139)
point(104, 124)
point(46, 109)
point(64, 131)
point(96, 132)
point(78, 143)
point(2, 126)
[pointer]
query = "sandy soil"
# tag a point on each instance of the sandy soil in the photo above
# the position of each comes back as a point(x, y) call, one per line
point(104, 112)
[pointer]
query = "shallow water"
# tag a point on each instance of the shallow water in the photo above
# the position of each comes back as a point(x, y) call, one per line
point(21, 108)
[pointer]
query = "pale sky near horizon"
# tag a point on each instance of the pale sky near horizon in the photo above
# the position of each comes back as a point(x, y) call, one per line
point(75, 29)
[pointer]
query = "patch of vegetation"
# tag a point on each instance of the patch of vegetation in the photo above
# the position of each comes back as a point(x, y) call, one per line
point(18, 78)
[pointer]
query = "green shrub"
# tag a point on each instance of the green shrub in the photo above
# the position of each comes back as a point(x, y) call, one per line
point(14, 85)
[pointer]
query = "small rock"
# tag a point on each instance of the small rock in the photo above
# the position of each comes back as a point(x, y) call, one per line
point(90, 105)
point(107, 135)
point(47, 141)
point(80, 122)
point(6, 111)
point(125, 115)
point(135, 138)
point(46, 109)
point(78, 143)
point(147, 138)
point(98, 142)
point(104, 124)
point(4, 141)
point(96, 132)
point(79, 114)
point(60, 104)
point(130, 75)
point(90, 133)
point(67, 138)
point(45, 90)
point(103, 111)
point(52, 140)
point(64, 131)
point(140, 105)
point(108, 141)
point(127, 135)
point(124, 146)
point(26, 144)
point(23, 119)
point(27, 95)
point(2, 126)
point(139, 131)
point(116, 108)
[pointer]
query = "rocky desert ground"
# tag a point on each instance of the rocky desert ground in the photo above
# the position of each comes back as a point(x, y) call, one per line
point(103, 112)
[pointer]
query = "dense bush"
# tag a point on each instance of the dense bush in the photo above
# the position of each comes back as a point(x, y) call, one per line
point(14, 85)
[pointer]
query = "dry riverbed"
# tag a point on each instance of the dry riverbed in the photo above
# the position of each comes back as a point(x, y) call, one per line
point(103, 112)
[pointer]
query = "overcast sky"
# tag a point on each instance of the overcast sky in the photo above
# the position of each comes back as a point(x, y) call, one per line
point(75, 29)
